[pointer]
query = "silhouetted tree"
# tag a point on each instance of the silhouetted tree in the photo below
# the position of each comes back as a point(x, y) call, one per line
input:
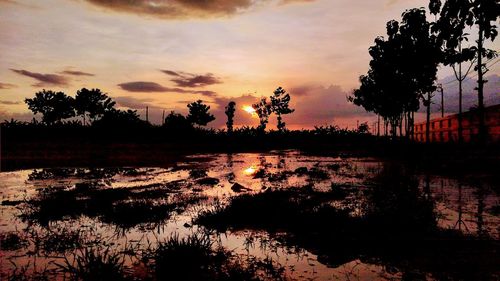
point(363, 128)
point(280, 105)
point(230, 109)
point(198, 113)
point(263, 110)
point(54, 106)
point(94, 102)
point(402, 70)
point(177, 122)
point(120, 118)
point(454, 17)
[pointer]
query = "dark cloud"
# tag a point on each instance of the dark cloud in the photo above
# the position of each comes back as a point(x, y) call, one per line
point(7, 86)
point(301, 91)
point(170, 72)
point(152, 87)
point(76, 73)
point(6, 102)
point(189, 80)
point(44, 79)
point(143, 87)
point(178, 9)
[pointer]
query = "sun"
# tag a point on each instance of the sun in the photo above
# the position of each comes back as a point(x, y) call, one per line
point(249, 109)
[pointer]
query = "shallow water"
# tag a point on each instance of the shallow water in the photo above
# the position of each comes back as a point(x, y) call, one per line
point(469, 204)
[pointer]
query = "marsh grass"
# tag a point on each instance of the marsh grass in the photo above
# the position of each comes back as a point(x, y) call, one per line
point(397, 227)
point(11, 241)
point(146, 206)
point(95, 264)
point(195, 257)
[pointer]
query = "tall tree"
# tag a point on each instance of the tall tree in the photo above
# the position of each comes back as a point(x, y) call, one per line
point(199, 113)
point(280, 105)
point(455, 15)
point(54, 106)
point(92, 102)
point(230, 109)
point(263, 110)
point(402, 70)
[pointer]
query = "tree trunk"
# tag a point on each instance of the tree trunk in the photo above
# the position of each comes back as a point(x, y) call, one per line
point(378, 126)
point(428, 121)
point(460, 128)
point(480, 84)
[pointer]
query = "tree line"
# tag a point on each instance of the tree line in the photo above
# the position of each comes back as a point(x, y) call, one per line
point(96, 108)
point(403, 66)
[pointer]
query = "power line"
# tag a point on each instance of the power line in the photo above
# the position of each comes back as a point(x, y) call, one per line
point(475, 75)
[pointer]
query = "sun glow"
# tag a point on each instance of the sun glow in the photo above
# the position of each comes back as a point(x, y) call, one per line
point(250, 171)
point(249, 109)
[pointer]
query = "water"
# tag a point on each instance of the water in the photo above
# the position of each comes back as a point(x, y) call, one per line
point(137, 207)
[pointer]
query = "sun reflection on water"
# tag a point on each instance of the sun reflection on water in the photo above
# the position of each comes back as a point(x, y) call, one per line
point(250, 171)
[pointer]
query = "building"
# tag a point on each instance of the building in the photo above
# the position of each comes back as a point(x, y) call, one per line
point(446, 129)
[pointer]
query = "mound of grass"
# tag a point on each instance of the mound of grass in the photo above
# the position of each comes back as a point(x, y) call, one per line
point(11, 241)
point(195, 258)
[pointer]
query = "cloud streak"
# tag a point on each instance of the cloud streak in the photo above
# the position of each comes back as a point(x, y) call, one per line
point(153, 87)
point(76, 73)
point(43, 79)
point(6, 102)
point(178, 9)
point(4, 86)
point(189, 80)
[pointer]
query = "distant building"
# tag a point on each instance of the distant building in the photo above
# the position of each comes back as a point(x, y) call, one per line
point(446, 129)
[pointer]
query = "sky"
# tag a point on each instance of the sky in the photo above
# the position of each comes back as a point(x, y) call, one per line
point(164, 54)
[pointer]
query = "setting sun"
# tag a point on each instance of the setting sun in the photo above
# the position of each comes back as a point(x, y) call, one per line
point(249, 109)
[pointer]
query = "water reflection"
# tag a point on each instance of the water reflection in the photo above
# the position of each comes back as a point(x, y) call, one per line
point(250, 171)
point(344, 209)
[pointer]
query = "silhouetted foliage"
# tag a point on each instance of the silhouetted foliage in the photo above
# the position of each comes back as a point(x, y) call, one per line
point(230, 109)
point(263, 110)
point(198, 113)
point(54, 106)
point(120, 118)
point(92, 102)
point(363, 128)
point(454, 16)
point(403, 68)
point(280, 105)
point(177, 122)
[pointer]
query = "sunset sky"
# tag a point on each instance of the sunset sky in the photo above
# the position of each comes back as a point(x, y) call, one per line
point(166, 53)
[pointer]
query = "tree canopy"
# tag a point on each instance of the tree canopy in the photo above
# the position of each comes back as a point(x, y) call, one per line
point(229, 111)
point(199, 113)
point(280, 105)
point(94, 102)
point(54, 106)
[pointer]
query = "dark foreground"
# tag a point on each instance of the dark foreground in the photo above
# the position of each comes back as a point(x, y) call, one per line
point(279, 215)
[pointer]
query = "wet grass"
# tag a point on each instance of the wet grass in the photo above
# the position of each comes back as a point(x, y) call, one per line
point(94, 264)
point(11, 241)
point(196, 258)
point(124, 207)
point(396, 226)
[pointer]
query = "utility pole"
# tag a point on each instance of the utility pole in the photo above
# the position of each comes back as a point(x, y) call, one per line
point(440, 88)
point(163, 118)
point(147, 114)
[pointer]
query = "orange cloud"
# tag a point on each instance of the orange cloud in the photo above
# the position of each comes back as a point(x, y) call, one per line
point(175, 9)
